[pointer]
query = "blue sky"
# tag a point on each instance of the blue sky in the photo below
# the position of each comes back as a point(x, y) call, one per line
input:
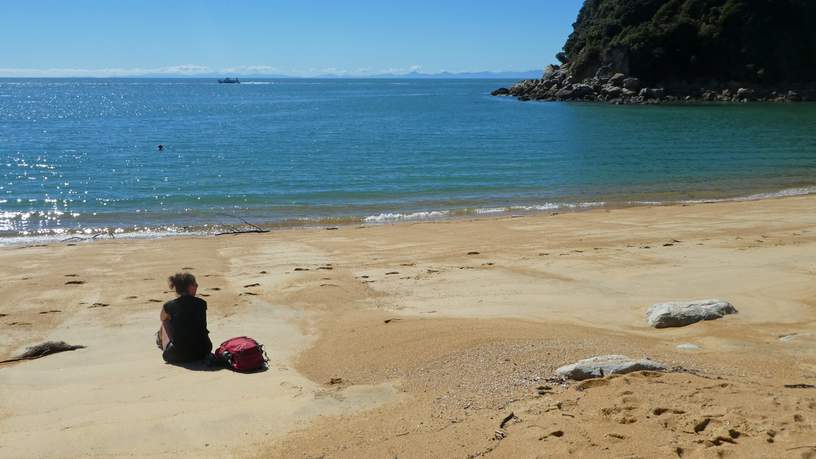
point(306, 37)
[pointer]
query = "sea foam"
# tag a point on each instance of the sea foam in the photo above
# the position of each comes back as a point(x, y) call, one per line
point(396, 216)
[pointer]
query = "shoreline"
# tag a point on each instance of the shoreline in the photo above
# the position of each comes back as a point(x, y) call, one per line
point(418, 339)
point(389, 218)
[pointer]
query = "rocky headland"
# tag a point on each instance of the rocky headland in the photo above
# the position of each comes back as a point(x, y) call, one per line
point(670, 51)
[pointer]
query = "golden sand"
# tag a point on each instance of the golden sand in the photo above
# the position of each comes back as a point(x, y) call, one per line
point(433, 334)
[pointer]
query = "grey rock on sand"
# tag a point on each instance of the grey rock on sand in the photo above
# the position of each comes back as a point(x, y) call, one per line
point(604, 365)
point(682, 313)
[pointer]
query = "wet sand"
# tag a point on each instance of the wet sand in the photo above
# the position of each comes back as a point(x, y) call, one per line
point(417, 340)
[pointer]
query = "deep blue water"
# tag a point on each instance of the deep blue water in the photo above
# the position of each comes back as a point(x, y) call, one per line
point(80, 154)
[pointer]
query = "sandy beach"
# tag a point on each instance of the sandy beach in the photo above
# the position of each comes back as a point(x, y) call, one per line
point(418, 340)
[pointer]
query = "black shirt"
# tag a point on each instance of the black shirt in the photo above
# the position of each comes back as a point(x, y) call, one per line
point(188, 325)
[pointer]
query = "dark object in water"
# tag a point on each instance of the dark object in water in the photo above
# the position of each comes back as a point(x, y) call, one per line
point(229, 81)
point(41, 350)
point(160, 147)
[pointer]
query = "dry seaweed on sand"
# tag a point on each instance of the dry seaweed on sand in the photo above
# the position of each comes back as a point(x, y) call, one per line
point(43, 349)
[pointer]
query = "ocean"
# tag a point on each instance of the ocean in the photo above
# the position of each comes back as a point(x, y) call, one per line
point(80, 157)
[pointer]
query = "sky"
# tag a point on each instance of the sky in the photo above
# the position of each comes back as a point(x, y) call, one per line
point(293, 37)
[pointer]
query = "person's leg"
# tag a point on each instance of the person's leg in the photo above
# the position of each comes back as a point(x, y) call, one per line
point(171, 354)
point(165, 334)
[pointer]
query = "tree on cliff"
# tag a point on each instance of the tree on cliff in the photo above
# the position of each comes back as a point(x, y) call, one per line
point(758, 41)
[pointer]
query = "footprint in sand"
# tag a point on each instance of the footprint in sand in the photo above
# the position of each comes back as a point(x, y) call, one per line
point(50, 312)
point(75, 282)
point(327, 268)
point(661, 411)
point(261, 272)
point(252, 285)
point(187, 268)
point(72, 275)
point(301, 269)
point(250, 293)
point(392, 273)
point(473, 253)
point(98, 305)
point(555, 433)
point(132, 297)
point(215, 288)
point(153, 300)
point(19, 323)
point(203, 294)
point(3, 315)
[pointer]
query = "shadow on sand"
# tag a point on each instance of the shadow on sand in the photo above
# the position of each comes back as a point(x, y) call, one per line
point(211, 364)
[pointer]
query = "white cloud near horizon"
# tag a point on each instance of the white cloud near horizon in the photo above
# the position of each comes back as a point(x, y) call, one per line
point(182, 70)
point(195, 70)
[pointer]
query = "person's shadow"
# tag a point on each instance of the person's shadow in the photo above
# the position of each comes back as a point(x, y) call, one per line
point(199, 365)
point(211, 363)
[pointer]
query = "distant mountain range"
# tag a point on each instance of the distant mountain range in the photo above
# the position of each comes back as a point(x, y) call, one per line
point(443, 75)
point(513, 75)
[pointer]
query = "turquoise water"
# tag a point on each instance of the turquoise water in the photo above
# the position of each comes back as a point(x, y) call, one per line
point(80, 156)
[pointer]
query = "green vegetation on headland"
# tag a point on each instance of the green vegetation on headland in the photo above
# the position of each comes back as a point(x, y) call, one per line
point(658, 50)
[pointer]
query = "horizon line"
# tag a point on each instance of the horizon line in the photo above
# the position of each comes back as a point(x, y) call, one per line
point(196, 71)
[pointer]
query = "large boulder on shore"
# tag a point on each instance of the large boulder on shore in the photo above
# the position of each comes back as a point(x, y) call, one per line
point(549, 71)
point(610, 90)
point(632, 84)
point(652, 93)
point(500, 92)
point(682, 313)
point(581, 90)
point(604, 365)
point(617, 79)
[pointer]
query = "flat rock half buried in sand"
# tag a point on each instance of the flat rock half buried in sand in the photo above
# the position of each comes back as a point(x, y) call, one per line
point(682, 313)
point(604, 365)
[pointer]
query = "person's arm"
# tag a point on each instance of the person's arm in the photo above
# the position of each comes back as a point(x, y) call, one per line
point(165, 333)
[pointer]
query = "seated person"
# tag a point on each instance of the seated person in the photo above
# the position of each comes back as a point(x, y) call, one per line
point(183, 336)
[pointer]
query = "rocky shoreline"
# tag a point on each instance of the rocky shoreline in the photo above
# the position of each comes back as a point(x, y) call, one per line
point(558, 84)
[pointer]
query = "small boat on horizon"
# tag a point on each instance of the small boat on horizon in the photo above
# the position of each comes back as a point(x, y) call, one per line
point(229, 81)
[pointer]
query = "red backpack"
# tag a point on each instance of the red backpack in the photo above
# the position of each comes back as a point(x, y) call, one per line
point(242, 354)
